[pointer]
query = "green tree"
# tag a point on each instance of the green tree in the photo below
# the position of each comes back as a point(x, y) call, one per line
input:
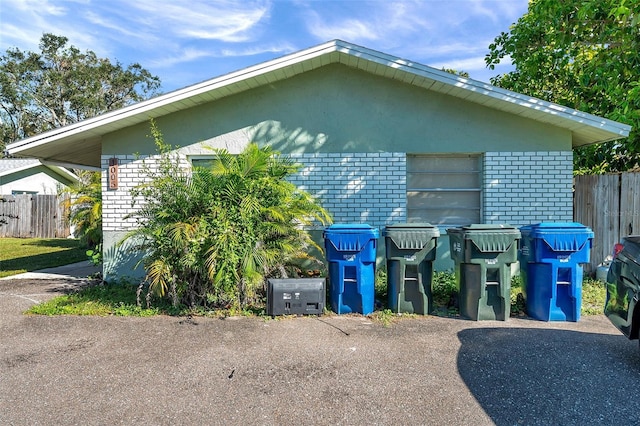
point(456, 72)
point(60, 85)
point(584, 54)
point(210, 236)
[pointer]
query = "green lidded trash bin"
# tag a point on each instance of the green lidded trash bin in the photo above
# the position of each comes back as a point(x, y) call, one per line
point(410, 251)
point(483, 255)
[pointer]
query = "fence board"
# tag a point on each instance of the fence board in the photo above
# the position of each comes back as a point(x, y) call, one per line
point(610, 205)
point(33, 216)
point(596, 205)
point(630, 204)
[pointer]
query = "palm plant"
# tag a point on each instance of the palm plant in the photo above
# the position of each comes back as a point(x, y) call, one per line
point(85, 208)
point(212, 235)
point(271, 212)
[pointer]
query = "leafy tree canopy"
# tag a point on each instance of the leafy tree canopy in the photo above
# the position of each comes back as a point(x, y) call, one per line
point(456, 72)
point(61, 85)
point(584, 54)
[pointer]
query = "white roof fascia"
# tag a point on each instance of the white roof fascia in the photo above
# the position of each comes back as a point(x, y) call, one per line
point(58, 169)
point(169, 98)
point(65, 166)
point(62, 170)
point(497, 93)
point(19, 169)
point(469, 89)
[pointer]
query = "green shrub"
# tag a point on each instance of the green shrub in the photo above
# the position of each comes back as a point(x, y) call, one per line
point(380, 287)
point(518, 305)
point(594, 294)
point(211, 236)
point(444, 289)
point(85, 211)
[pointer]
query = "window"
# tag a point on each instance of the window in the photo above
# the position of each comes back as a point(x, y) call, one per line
point(204, 162)
point(19, 192)
point(443, 189)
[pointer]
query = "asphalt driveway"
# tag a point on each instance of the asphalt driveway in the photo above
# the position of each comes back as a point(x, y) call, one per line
point(328, 370)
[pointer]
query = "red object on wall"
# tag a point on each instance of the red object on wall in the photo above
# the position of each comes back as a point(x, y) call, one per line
point(113, 173)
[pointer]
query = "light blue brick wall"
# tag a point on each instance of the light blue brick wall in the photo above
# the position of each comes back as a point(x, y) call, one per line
point(521, 188)
point(356, 187)
point(117, 203)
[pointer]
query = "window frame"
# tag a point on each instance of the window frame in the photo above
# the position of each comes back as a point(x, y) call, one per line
point(438, 190)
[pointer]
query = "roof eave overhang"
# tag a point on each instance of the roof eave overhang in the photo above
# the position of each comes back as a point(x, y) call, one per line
point(586, 128)
point(57, 169)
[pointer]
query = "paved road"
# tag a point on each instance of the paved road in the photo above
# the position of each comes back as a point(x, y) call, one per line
point(329, 370)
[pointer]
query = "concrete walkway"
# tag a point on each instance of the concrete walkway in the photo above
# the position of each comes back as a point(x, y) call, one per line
point(82, 269)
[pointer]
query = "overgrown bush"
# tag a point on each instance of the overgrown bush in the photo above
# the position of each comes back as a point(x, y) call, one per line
point(211, 236)
point(445, 290)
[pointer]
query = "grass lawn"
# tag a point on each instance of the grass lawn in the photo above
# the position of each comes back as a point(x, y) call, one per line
point(18, 255)
point(120, 299)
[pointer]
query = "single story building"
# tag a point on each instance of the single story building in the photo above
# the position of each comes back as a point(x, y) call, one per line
point(382, 140)
point(32, 176)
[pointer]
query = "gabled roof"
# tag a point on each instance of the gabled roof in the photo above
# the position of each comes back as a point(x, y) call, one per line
point(9, 166)
point(80, 143)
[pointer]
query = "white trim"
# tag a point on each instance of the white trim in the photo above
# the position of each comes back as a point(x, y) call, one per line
point(63, 166)
point(55, 168)
point(587, 127)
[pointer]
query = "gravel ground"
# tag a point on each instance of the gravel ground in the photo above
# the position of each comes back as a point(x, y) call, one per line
point(333, 370)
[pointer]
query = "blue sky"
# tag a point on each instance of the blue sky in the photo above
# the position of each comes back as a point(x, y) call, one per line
point(186, 42)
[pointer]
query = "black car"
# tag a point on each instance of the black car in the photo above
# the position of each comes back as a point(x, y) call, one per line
point(623, 287)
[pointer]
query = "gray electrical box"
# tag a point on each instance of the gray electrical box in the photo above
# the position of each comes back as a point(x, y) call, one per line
point(296, 296)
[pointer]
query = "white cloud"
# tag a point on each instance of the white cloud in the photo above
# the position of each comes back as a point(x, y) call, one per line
point(258, 50)
point(43, 7)
point(179, 37)
point(381, 21)
point(228, 21)
point(484, 9)
point(106, 23)
point(348, 29)
point(181, 57)
point(192, 54)
point(33, 18)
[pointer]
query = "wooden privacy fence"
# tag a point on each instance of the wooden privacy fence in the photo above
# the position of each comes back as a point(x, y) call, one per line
point(610, 206)
point(33, 216)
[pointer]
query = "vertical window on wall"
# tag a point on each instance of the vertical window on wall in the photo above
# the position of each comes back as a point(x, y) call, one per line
point(444, 189)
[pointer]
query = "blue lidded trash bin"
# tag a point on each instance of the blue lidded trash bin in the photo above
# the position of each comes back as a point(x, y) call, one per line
point(351, 251)
point(551, 258)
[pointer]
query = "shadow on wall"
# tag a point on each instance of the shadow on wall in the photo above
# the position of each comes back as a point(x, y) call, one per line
point(289, 140)
point(544, 377)
point(356, 186)
point(119, 263)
